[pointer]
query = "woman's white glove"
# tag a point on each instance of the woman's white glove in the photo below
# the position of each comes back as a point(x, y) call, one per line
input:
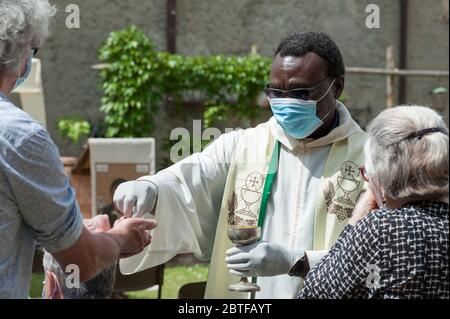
point(136, 198)
point(262, 259)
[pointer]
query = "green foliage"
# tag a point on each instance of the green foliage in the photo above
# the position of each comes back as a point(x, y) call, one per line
point(228, 85)
point(74, 128)
point(138, 79)
point(36, 286)
point(130, 94)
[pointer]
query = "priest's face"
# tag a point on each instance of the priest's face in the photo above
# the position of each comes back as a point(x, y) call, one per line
point(309, 71)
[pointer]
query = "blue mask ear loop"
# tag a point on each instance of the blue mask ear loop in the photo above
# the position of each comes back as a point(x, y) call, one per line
point(328, 91)
point(20, 79)
point(19, 76)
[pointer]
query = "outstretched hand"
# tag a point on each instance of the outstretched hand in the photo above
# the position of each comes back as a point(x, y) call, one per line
point(134, 233)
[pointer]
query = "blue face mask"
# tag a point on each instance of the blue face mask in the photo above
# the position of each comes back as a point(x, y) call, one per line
point(298, 118)
point(21, 79)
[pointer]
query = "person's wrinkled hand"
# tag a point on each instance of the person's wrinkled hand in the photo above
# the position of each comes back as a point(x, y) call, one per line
point(97, 224)
point(135, 198)
point(261, 259)
point(118, 221)
point(133, 234)
point(365, 205)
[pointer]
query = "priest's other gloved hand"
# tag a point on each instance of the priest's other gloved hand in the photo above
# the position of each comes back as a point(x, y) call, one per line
point(136, 198)
point(261, 259)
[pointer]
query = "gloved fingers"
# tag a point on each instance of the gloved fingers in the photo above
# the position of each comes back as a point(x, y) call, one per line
point(118, 201)
point(244, 248)
point(141, 204)
point(233, 251)
point(241, 273)
point(238, 258)
point(129, 202)
point(240, 267)
point(239, 249)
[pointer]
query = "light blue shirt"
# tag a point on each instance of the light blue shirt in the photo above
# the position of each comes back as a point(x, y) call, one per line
point(37, 203)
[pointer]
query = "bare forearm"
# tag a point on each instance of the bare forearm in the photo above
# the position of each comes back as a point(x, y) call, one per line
point(92, 253)
point(105, 251)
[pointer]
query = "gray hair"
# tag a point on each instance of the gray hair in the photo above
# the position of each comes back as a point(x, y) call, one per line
point(23, 23)
point(99, 287)
point(408, 167)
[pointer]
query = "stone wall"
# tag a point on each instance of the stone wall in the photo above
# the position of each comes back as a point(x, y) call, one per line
point(232, 27)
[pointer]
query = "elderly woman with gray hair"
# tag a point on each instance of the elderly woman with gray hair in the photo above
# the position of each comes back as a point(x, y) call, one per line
point(396, 243)
point(37, 203)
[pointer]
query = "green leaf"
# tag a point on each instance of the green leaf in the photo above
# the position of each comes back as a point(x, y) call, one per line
point(74, 128)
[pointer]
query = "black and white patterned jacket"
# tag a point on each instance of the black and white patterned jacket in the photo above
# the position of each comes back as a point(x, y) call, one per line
point(400, 253)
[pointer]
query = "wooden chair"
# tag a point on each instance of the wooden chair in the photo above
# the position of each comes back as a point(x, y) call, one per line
point(140, 281)
point(192, 291)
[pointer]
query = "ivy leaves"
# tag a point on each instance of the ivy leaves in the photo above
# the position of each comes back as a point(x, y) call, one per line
point(129, 101)
point(138, 79)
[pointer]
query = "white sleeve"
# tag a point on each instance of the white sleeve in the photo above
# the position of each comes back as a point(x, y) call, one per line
point(188, 206)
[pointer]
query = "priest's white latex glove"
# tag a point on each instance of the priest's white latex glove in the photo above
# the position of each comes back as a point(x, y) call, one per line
point(136, 198)
point(262, 259)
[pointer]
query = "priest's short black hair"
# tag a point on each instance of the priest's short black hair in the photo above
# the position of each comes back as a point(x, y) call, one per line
point(299, 44)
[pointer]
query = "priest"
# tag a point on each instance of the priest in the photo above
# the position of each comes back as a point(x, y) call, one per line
point(296, 176)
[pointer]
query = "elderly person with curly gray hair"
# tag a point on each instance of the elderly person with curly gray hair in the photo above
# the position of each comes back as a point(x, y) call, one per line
point(396, 243)
point(37, 203)
point(24, 25)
